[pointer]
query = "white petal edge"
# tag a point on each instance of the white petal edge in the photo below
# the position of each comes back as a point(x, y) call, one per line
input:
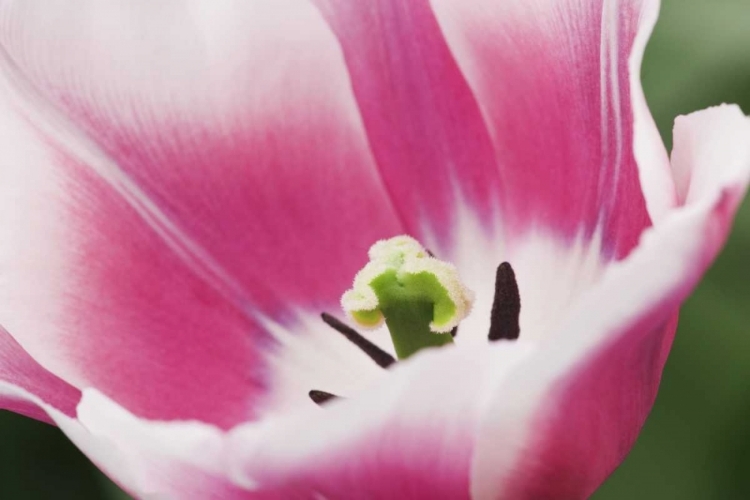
point(703, 140)
point(650, 154)
point(99, 451)
point(149, 459)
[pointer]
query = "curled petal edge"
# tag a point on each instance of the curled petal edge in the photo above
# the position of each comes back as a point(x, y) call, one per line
point(148, 459)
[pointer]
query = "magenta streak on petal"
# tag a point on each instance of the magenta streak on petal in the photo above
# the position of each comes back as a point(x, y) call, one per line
point(386, 476)
point(553, 83)
point(19, 369)
point(403, 463)
point(423, 123)
point(395, 461)
point(625, 213)
point(143, 326)
point(287, 211)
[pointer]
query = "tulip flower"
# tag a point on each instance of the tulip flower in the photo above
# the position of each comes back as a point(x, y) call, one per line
point(190, 188)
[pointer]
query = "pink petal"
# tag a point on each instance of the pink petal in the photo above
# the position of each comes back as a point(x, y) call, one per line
point(573, 411)
point(423, 122)
point(17, 368)
point(411, 437)
point(185, 173)
point(553, 83)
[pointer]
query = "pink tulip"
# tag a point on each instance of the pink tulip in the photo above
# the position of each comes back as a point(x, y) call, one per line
point(187, 185)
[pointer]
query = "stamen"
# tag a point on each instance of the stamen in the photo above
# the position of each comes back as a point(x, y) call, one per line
point(320, 397)
point(382, 358)
point(506, 307)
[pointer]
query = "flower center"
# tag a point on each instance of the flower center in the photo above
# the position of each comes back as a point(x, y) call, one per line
point(420, 299)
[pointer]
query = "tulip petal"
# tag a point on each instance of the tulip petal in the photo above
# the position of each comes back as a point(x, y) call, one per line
point(17, 368)
point(164, 459)
point(410, 437)
point(147, 459)
point(185, 170)
point(554, 84)
point(573, 410)
point(423, 122)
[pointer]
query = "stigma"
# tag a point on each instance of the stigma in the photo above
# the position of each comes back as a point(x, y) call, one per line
point(420, 298)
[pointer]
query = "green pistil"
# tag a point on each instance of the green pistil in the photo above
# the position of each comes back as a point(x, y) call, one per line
point(409, 309)
point(419, 297)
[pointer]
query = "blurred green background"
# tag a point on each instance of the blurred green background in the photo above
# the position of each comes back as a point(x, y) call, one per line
point(696, 444)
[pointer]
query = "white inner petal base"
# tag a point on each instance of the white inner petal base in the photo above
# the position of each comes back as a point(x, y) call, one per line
point(551, 274)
